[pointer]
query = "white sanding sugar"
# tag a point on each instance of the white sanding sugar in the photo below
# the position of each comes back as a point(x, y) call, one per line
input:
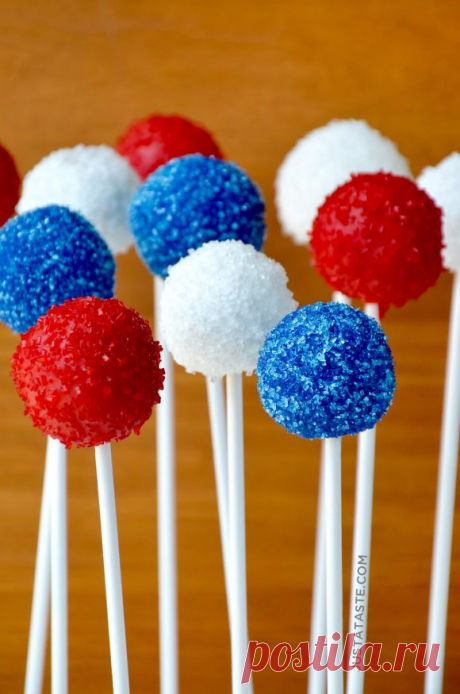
point(219, 303)
point(93, 180)
point(321, 161)
point(442, 183)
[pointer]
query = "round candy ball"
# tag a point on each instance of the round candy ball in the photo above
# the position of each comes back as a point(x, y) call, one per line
point(47, 256)
point(324, 159)
point(89, 372)
point(190, 201)
point(442, 183)
point(10, 184)
point(93, 180)
point(378, 238)
point(325, 371)
point(218, 304)
point(153, 141)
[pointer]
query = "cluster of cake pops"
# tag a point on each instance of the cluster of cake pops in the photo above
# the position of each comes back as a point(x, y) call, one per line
point(90, 372)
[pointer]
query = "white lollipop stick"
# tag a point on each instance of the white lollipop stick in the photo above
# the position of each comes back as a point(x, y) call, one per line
point(239, 619)
point(59, 598)
point(362, 532)
point(112, 570)
point(445, 502)
point(166, 511)
point(217, 415)
point(334, 589)
point(316, 679)
point(38, 633)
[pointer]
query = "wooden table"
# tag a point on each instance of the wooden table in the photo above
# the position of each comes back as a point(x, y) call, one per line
point(259, 74)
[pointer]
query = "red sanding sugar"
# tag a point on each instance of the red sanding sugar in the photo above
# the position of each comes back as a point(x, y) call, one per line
point(88, 372)
point(153, 141)
point(10, 184)
point(378, 238)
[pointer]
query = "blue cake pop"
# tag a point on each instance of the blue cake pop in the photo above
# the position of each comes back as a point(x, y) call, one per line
point(47, 256)
point(326, 371)
point(190, 201)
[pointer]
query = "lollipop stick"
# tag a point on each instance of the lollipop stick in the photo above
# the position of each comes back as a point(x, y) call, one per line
point(216, 403)
point(112, 570)
point(239, 620)
point(334, 594)
point(166, 510)
point(216, 406)
point(445, 502)
point(362, 531)
point(317, 680)
point(38, 633)
point(59, 602)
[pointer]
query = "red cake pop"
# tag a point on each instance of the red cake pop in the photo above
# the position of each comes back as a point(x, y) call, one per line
point(378, 238)
point(153, 141)
point(88, 372)
point(10, 184)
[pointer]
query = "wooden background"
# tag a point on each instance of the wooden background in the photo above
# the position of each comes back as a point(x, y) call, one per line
point(259, 74)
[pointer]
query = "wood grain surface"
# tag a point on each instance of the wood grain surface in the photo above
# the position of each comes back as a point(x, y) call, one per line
point(259, 74)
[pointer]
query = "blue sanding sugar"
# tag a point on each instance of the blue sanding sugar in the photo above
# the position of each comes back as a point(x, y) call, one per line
point(190, 201)
point(47, 256)
point(325, 371)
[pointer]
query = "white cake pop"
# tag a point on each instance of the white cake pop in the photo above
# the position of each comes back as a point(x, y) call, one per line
point(442, 183)
point(218, 305)
point(321, 161)
point(93, 180)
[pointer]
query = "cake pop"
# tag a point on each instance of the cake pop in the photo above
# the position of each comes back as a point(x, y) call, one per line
point(93, 180)
point(378, 238)
point(95, 378)
point(326, 371)
point(10, 184)
point(442, 182)
point(96, 372)
point(190, 201)
point(218, 304)
point(49, 255)
point(321, 161)
point(151, 142)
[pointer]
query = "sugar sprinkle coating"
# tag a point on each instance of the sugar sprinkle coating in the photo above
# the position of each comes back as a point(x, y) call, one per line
point(326, 371)
point(47, 256)
point(10, 184)
point(93, 180)
point(190, 201)
point(324, 159)
point(442, 183)
point(88, 372)
point(218, 305)
point(153, 141)
point(378, 238)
